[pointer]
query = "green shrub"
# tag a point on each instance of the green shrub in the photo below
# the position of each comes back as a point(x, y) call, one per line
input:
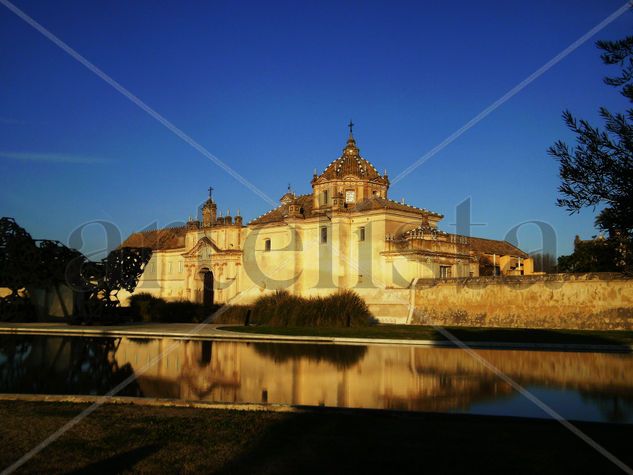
point(178, 312)
point(147, 308)
point(144, 306)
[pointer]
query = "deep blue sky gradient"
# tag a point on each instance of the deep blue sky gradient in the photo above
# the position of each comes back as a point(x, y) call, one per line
point(268, 87)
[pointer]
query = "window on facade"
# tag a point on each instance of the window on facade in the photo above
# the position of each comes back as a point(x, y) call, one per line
point(325, 197)
point(323, 234)
point(445, 272)
point(350, 196)
point(267, 245)
point(181, 267)
point(169, 268)
point(361, 233)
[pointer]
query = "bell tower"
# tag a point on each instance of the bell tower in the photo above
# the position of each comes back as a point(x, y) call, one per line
point(209, 211)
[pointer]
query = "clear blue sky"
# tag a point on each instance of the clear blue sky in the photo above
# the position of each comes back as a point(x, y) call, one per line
point(268, 87)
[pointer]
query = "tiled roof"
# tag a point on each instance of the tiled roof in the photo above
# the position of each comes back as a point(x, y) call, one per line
point(158, 239)
point(478, 246)
point(281, 212)
point(305, 201)
point(351, 163)
point(376, 202)
point(491, 246)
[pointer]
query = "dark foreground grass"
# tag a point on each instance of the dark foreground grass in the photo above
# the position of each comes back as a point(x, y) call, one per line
point(419, 332)
point(133, 439)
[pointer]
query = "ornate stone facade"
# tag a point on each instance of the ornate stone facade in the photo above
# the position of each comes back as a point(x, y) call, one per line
point(347, 233)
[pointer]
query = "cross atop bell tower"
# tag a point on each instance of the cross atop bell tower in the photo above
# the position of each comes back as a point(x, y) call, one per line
point(350, 125)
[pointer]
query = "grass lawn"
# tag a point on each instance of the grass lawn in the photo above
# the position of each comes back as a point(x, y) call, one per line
point(418, 332)
point(134, 439)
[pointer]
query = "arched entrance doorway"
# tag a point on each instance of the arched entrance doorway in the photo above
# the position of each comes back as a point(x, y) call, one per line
point(207, 287)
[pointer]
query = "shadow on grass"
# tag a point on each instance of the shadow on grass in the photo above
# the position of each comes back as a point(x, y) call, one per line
point(374, 442)
point(120, 462)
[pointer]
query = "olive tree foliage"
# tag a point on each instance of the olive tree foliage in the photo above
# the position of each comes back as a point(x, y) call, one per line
point(598, 170)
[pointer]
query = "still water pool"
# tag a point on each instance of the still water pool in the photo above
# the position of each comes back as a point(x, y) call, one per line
point(579, 386)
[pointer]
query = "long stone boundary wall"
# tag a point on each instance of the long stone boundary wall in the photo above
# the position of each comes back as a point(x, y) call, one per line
point(598, 301)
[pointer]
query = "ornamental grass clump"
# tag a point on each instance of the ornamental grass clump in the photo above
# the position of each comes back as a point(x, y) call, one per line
point(277, 309)
point(343, 309)
point(232, 314)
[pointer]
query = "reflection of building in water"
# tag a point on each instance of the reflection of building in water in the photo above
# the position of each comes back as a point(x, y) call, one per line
point(395, 377)
point(357, 376)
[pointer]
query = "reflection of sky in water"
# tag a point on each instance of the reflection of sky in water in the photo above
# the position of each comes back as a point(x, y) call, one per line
point(579, 386)
point(569, 404)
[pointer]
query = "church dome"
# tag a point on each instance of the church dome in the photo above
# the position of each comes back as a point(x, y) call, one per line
point(348, 180)
point(350, 163)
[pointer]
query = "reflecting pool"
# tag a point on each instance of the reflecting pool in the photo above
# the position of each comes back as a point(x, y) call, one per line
point(580, 386)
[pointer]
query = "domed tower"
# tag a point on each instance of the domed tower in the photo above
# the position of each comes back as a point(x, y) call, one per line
point(209, 211)
point(348, 180)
